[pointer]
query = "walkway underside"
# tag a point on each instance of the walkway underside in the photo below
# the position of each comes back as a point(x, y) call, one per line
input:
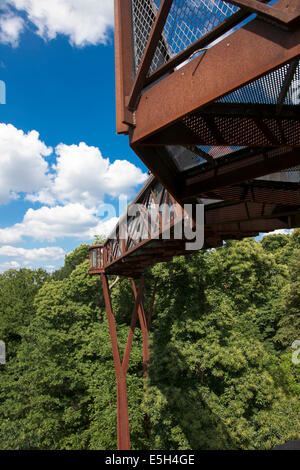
point(231, 212)
point(209, 95)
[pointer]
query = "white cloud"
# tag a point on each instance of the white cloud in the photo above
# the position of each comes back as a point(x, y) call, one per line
point(38, 254)
point(44, 197)
point(277, 232)
point(84, 22)
point(50, 223)
point(10, 235)
point(11, 27)
point(81, 174)
point(120, 176)
point(71, 192)
point(22, 166)
point(102, 228)
point(84, 176)
point(9, 265)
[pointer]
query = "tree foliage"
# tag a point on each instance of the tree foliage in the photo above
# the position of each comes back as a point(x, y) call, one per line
point(221, 374)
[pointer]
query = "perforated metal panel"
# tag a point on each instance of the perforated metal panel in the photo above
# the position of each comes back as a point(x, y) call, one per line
point(292, 175)
point(188, 21)
point(248, 131)
point(143, 16)
point(268, 89)
point(293, 94)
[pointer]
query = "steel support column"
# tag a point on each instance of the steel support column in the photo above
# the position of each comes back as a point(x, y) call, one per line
point(145, 326)
point(123, 433)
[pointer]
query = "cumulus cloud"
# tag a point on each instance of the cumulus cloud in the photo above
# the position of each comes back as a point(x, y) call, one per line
point(44, 197)
point(84, 22)
point(23, 166)
point(30, 257)
point(9, 265)
point(81, 174)
point(38, 254)
point(11, 27)
point(50, 223)
point(72, 192)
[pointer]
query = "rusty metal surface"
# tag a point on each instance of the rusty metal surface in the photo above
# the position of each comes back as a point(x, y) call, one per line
point(186, 23)
point(220, 127)
point(194, 125)
point(230, 212)
point(229, 171)
point(149, 52)
point(197, 84)
point(123, 434)
point(123, 63)
point(122, 403)
point(231, 129)
point(252, 104)
point(286, 17)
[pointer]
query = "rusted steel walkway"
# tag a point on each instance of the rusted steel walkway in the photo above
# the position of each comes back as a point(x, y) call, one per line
point(208, 92)
point(262, 205)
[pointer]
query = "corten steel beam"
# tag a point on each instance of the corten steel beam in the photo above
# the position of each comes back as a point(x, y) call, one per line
point(264, 204)
point(233, 125)
point(249, 212)
point(197, 84)
point(145, 324)
point(149, 52)
point(124, 62)
point(198, 45)
point(121, 368)
point(286, 85)
point(233, 172)
point(255, 109)
point(286, 17)
point(122, 402)
point(138, 300)
point(230, 130)
point(228, 170)
point(254, 193)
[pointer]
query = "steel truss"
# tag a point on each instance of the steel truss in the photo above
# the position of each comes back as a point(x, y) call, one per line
point(121, 365)
point(207, 74)
point(206, 90)
point(243, 210)
point(230, 212)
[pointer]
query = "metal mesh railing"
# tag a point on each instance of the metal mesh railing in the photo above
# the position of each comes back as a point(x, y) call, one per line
point(293, 94)
point(143, 16)
point(267, 89)
point(187, 22)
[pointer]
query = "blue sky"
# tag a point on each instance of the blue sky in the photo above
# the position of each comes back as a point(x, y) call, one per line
point(60, 157)
point(59, 153)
